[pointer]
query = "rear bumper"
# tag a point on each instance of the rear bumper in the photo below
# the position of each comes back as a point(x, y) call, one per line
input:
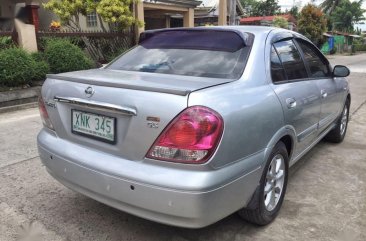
point(73, 166)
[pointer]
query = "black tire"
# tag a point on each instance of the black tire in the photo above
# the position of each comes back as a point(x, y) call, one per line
point(258, 213)
point(337, 135)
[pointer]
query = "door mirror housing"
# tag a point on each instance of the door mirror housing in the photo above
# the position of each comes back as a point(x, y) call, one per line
point(341, 71)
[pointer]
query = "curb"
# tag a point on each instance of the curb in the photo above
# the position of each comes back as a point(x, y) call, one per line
point(19, 99)
point(18, 107)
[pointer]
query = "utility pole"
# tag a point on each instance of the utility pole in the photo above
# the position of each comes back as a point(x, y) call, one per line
point(232, 15)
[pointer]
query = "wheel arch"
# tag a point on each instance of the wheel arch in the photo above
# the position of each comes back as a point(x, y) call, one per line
point(287, 135)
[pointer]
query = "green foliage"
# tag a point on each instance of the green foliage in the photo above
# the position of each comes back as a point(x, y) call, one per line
point(42, 42)
point(294, 11)
point(111, 11)
point(17, 68)
point(41, 66)
point(248, 5)
point(63, 56)
point(280, 22)
point(6, 42)
point(360, 47)
point(117, 11)
point(346, 14)
point(312, 23)
point(265, 8)
point(328, 5)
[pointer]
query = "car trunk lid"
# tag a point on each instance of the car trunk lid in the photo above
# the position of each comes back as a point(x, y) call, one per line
point(137, 105)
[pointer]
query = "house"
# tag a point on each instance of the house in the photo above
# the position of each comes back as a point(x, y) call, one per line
point(31, 17)
point(268, 20)
point(340, 40)
point(208, 12)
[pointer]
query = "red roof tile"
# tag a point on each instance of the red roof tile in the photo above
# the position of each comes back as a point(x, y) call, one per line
point(288, 17)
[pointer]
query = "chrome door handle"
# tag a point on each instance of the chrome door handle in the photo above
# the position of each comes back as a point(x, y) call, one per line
point(324, 93)
point(291, 103)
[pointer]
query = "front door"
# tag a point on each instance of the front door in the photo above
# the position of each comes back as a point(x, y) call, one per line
point(299, 96)
point(320, 73)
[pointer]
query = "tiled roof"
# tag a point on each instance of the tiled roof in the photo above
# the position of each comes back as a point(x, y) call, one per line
point(288, 17)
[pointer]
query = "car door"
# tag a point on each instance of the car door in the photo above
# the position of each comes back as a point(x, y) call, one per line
point(299, 96)
point(320, 73)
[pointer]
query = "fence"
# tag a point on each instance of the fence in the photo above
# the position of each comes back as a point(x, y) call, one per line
point(101, 46)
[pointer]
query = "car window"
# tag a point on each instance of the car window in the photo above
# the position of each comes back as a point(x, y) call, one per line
point(277, 71)
point(291, 60)
point(216, 54)
point(317, 64)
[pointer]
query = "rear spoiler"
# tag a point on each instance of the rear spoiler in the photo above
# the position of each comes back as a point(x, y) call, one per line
point(174, 91)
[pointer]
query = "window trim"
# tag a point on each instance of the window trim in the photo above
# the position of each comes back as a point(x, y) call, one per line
point(307, 66)
point(278, 56)
point(302, 59)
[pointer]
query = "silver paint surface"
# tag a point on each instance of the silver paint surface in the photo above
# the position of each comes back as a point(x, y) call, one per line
point(255, 118)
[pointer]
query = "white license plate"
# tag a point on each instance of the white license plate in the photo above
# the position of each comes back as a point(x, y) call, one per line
point(92, 125)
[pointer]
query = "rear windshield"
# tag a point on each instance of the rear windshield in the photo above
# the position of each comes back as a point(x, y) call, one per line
point(216, 54)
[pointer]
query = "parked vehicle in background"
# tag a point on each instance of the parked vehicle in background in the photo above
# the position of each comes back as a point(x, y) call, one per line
point(194, 124)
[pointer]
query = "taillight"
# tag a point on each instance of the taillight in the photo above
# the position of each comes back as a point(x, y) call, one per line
point(44, 114)
point(191, 137)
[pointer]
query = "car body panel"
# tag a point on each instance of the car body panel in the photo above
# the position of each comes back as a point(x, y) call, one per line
point(255, 116)
point(161, 193)
point(161, 83)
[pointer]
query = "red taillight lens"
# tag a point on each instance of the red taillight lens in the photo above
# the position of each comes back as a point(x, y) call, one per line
point(191, 137)
point(44, 114)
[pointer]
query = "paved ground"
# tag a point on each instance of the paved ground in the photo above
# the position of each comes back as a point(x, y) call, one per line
point(326, 197)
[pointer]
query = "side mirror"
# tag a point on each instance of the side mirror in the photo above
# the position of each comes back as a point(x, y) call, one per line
point(340, 71)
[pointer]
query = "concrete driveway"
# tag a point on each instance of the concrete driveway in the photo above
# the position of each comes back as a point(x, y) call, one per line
point(325, 200)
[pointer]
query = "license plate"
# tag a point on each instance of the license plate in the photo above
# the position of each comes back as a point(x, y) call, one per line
point(92, 125)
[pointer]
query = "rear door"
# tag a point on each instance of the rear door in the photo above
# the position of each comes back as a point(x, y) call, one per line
point(320, 73)
point(298, 94)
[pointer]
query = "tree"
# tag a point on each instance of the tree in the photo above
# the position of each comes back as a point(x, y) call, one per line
point(248, 5)
point(329, 5)
point(265, 8)
point(294, 11)
point(346, 14)
point(280, 22)
point(312, 23)
point(110, 11)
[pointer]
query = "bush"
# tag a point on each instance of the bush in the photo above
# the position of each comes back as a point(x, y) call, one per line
point(63, 56)
point(360, 47)
point(17, 68)
point(42, 42)
point(6, 42)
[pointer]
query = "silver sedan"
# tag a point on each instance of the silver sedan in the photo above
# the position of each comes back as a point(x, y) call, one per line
point(194, 124)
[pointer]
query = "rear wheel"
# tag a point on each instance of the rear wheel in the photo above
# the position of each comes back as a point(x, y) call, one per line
point(339, 132)
point(271, 191)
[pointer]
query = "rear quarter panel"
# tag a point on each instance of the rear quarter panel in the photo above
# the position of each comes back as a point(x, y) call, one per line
point(251, 111)
point(252, 116)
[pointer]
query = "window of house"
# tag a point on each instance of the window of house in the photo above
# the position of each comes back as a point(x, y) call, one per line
point(318, 66)
point(291, 60)
point(277, 71)
point(91, 19)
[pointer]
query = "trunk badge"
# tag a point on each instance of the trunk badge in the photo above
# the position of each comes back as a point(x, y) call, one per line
point(153, 122)
point(89, 92)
